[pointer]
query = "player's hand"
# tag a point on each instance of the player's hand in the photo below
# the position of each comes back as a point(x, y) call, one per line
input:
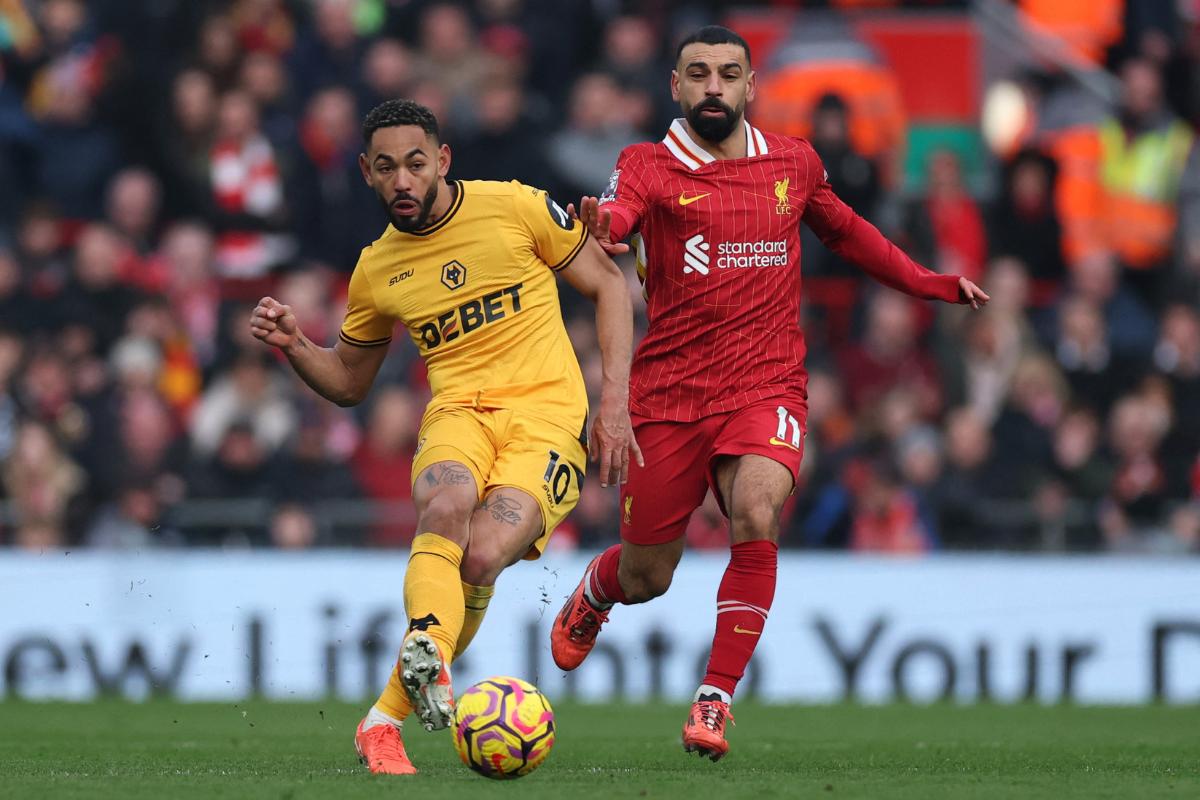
point(598, 221)
point(612, 441)
point(274, 323)
point(970, 294)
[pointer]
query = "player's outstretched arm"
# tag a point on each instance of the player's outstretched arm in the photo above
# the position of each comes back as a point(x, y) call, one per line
point(859, 242)
point(342, 374)
point(596, 277)
point(599, 224)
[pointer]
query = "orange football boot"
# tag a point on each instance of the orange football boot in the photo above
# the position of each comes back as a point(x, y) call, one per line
point(575, 628)
point(426, 677)
point(382, 750)
point(704, 731)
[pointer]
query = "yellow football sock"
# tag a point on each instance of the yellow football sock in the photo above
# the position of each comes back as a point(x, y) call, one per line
point(477, 599)
point(394, 701)
point(433, 593)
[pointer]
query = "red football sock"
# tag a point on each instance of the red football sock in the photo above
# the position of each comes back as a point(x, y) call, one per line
point(603, 586)
point(743, 601)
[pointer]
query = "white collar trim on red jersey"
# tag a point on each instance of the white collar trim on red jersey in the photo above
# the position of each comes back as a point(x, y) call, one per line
point(693, 156)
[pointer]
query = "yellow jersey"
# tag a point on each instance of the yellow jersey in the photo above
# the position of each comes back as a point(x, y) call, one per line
point(477, 292)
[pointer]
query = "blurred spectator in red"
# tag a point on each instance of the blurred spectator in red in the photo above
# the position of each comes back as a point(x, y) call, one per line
point(186, 256)
point(40, 481)
point(889, 355)
point(251, 395)
point(42, 257)
point(886, 518)
point(383, 463)
point(1024, 224)
point(248, 195)
point(332, 216)
point(946, 226)
point(262, 25)
point(707, 528)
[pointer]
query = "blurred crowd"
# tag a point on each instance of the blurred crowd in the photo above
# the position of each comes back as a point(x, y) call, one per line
point(165, 164)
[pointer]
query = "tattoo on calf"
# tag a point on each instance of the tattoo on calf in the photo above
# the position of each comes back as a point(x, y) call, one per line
point(504, 509)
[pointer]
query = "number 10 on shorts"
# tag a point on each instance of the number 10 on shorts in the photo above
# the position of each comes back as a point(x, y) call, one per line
point(786, 422)
point(557, 477)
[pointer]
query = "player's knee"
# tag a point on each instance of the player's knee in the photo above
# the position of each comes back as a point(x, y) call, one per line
point(646, 581)
point(754, 521)
point(446, 515)
point(482, 564)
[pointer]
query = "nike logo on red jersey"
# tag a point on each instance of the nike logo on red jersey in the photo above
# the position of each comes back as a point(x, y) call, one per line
point(684, 200)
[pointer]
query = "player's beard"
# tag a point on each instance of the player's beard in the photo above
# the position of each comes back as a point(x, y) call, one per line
point(713, 129)
point(409, 224)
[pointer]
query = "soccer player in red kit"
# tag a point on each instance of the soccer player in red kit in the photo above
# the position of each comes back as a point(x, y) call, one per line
point(717, 390)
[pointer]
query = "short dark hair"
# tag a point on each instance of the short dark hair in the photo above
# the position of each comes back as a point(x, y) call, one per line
point(393, 113)
point(713, 34)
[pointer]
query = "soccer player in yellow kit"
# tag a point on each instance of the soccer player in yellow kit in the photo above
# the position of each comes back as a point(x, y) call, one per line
point(468, 267)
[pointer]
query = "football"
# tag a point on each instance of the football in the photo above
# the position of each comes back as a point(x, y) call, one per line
point(503, 728)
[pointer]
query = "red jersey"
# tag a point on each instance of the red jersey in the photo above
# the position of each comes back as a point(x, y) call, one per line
point(718, 251)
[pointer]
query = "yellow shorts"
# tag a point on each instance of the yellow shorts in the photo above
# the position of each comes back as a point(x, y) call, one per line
point(503, 447)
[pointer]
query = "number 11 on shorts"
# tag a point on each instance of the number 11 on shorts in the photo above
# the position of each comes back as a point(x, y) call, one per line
point(786, 421)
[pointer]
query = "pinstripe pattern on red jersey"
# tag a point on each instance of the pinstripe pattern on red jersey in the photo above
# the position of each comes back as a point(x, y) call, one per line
point(720, 340)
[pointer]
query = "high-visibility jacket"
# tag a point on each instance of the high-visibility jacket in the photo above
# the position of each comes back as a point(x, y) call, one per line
point(1140, 178)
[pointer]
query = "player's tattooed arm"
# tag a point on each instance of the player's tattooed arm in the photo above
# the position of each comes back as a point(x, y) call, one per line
point(503, 509)
point(448, 475)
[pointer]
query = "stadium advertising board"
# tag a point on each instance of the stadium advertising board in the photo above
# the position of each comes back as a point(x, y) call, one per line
point(208, 626)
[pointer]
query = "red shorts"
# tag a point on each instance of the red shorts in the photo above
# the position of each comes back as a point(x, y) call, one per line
point(658, 500)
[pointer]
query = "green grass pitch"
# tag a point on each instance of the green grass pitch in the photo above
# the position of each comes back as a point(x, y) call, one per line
point(283, 751)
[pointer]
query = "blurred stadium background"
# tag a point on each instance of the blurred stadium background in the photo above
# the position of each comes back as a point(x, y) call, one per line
point(163, 164)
